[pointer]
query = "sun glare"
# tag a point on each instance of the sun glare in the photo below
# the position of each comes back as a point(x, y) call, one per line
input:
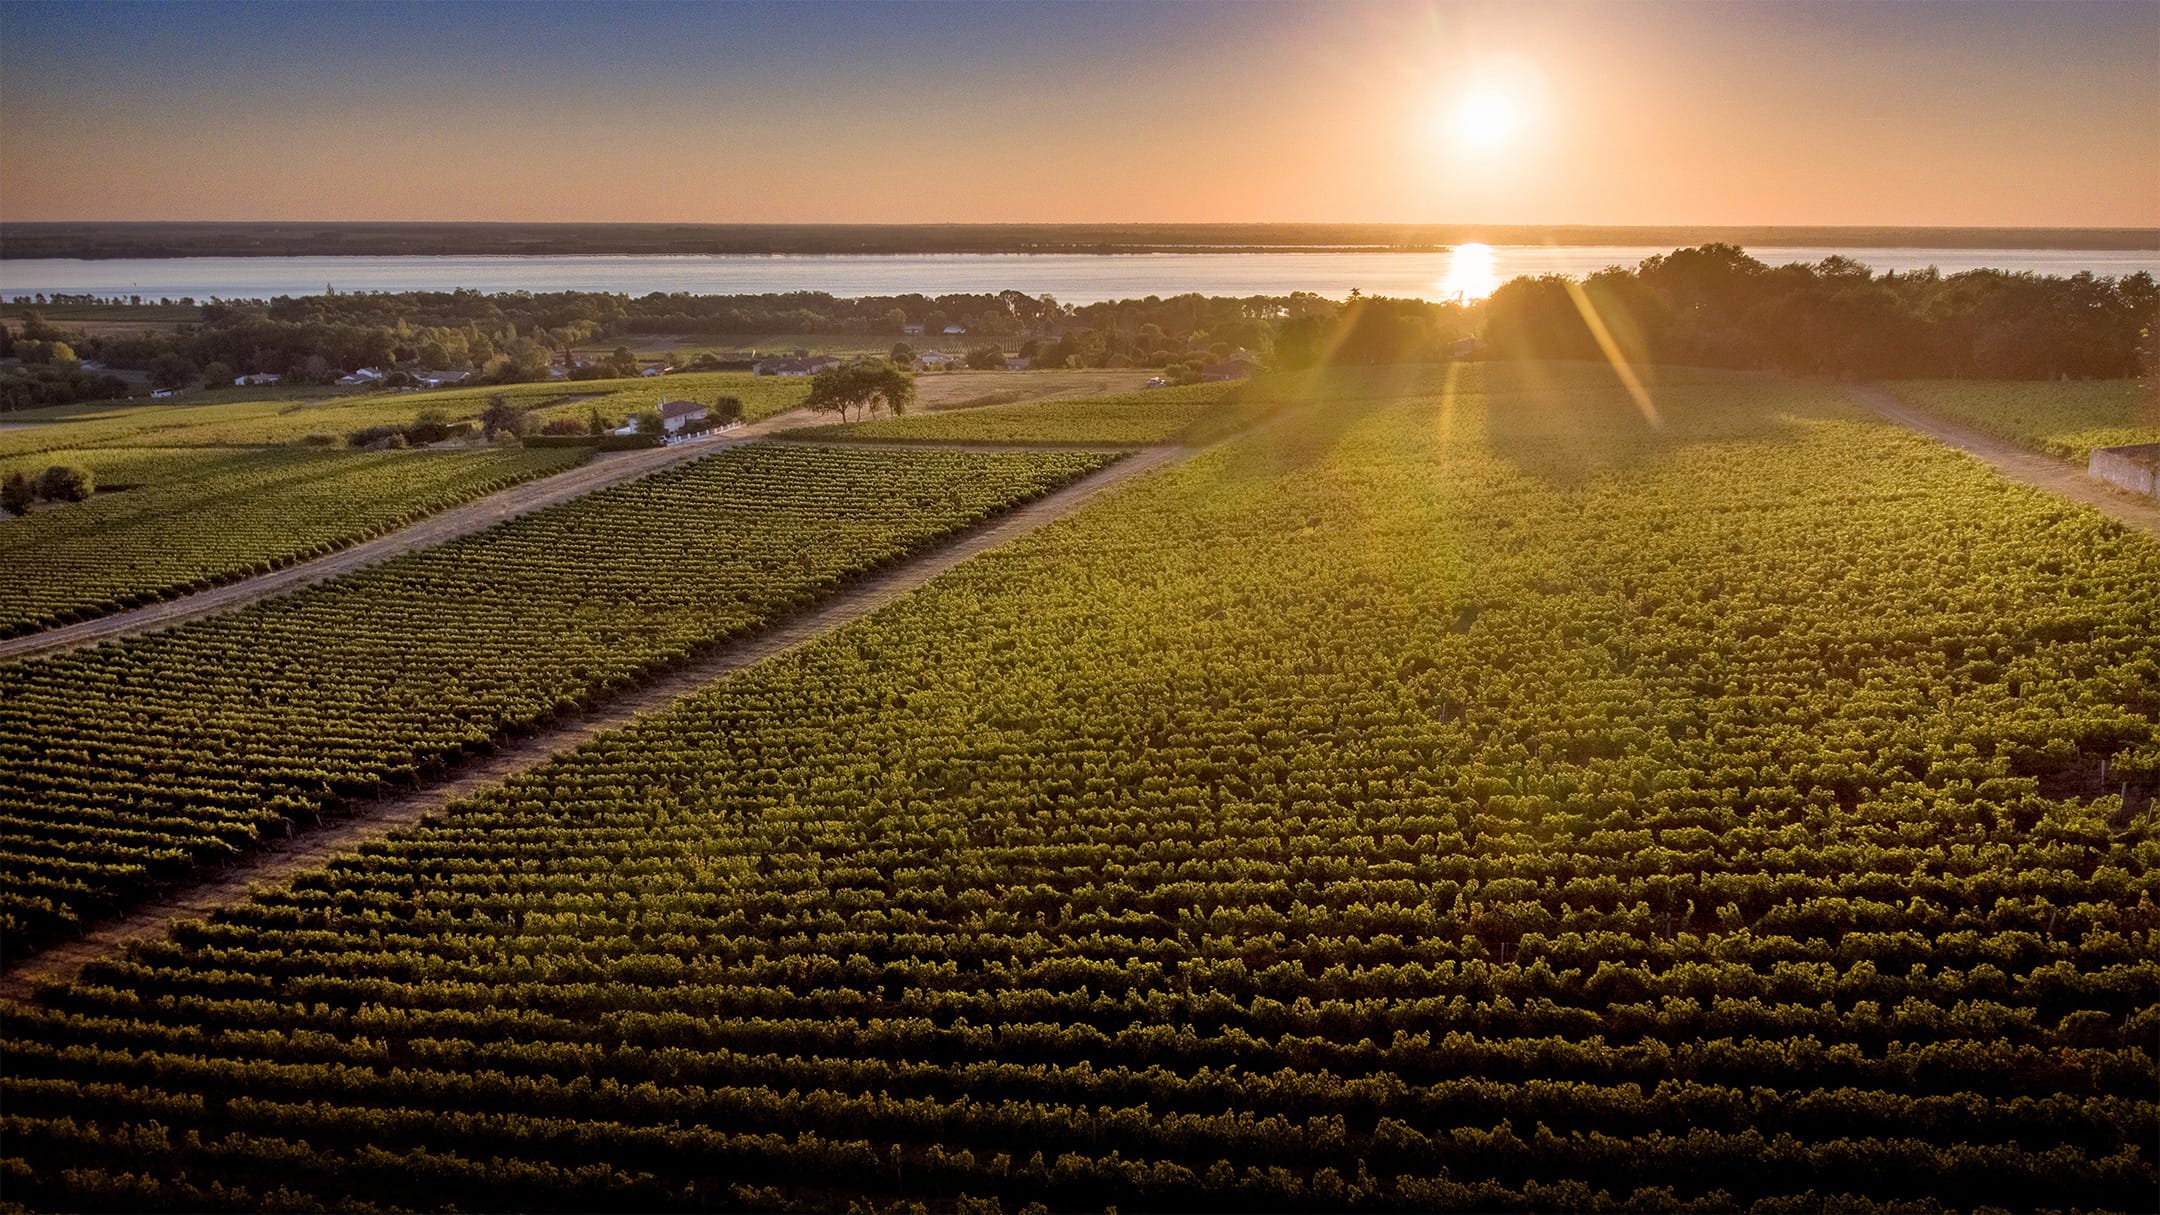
point(1486, 121)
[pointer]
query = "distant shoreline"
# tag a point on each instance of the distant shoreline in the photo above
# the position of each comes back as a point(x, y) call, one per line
point(98, 241)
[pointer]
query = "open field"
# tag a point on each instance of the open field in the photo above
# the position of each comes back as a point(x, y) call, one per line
point(167, 521)
point(1199, 412)
point(2066, 419)
point(967, 389)
point(126, 766)
point(1454, 794)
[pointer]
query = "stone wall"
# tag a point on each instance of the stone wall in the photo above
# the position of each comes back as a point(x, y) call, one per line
point(2135, 468)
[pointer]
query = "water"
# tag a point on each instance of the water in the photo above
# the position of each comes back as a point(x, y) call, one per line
point(1468, 271)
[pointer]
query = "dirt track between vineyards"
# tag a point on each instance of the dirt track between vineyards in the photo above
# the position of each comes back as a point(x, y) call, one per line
point(279, 859)
point(2016, 463)
point(601, 472)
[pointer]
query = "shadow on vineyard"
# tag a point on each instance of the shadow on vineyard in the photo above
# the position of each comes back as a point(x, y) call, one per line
point(1576, 429)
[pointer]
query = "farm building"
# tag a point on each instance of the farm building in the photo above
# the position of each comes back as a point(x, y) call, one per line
point(259, 378)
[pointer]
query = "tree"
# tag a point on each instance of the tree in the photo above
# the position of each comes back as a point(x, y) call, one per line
point(621, 364)
point(434, 356)
point(727, 411)
point(217, 375)
point(503, 415)
point(171, 371)
point(903, 355)
point(524, 359)
point(17, 493)
point(861, 386)
point(66, 483)
point(986, 358)
point(647, 421)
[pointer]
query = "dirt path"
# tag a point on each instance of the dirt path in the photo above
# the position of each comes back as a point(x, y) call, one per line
point(278, 860)
point(601, 472)
point(2017, 463)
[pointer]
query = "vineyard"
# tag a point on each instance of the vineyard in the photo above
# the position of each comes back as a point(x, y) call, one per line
point(1475, 799)
point(172, 520)
point(126, 766)
point(277, 419)
point(2066, 419)
point(1198, 413)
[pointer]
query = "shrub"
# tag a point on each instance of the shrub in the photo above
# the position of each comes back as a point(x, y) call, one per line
point(66, 483)
point(17, 493)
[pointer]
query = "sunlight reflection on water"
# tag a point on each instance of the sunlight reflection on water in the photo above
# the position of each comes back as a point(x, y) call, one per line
point(1470, 273)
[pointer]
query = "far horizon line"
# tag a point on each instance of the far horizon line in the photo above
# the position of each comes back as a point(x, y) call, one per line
point(160, 239)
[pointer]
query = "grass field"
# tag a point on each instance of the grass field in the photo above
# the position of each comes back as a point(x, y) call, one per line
point(2062, 418)
point(171, 520)
point(1468, 800)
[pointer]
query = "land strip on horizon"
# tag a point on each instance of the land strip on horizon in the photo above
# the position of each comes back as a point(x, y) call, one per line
point(93, 239)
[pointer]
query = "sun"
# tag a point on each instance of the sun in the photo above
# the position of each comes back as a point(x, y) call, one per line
point(1486, 120)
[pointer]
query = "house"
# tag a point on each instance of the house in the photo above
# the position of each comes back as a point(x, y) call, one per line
point(657, 369)
point(436, 379)
point(955, 330)
point(1016, 363)
point(938, 358)
point(364, 376)
point(1465, 348)
point(162, 393)
point(809, 366)
point(677, 415)
point(260, 377)
point(911, 330)
point(1216, 372)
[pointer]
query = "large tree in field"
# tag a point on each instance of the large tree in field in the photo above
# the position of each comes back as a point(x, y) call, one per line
point(861, 387)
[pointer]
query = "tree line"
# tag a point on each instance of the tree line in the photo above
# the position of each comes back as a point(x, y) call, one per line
point(1711, 305)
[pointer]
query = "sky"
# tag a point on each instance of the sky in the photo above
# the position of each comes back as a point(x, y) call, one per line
point(1914, 113)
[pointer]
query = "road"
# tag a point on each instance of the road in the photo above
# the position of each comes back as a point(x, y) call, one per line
point(2017, 463)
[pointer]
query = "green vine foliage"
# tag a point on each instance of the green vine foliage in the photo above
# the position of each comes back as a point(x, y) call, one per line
point(1474, 800)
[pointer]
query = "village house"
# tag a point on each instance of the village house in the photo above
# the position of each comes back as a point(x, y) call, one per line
point(260, 377)
point(364, 377)
point(436, 379)
point(675, 416)
point(911, 330)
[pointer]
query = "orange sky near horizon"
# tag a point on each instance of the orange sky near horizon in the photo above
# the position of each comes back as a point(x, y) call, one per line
point(1916, 114)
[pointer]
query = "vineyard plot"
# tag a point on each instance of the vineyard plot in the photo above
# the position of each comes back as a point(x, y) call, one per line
point(127, 765)
point(2064, 418)
point(172, 520)
point(1473, 801)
